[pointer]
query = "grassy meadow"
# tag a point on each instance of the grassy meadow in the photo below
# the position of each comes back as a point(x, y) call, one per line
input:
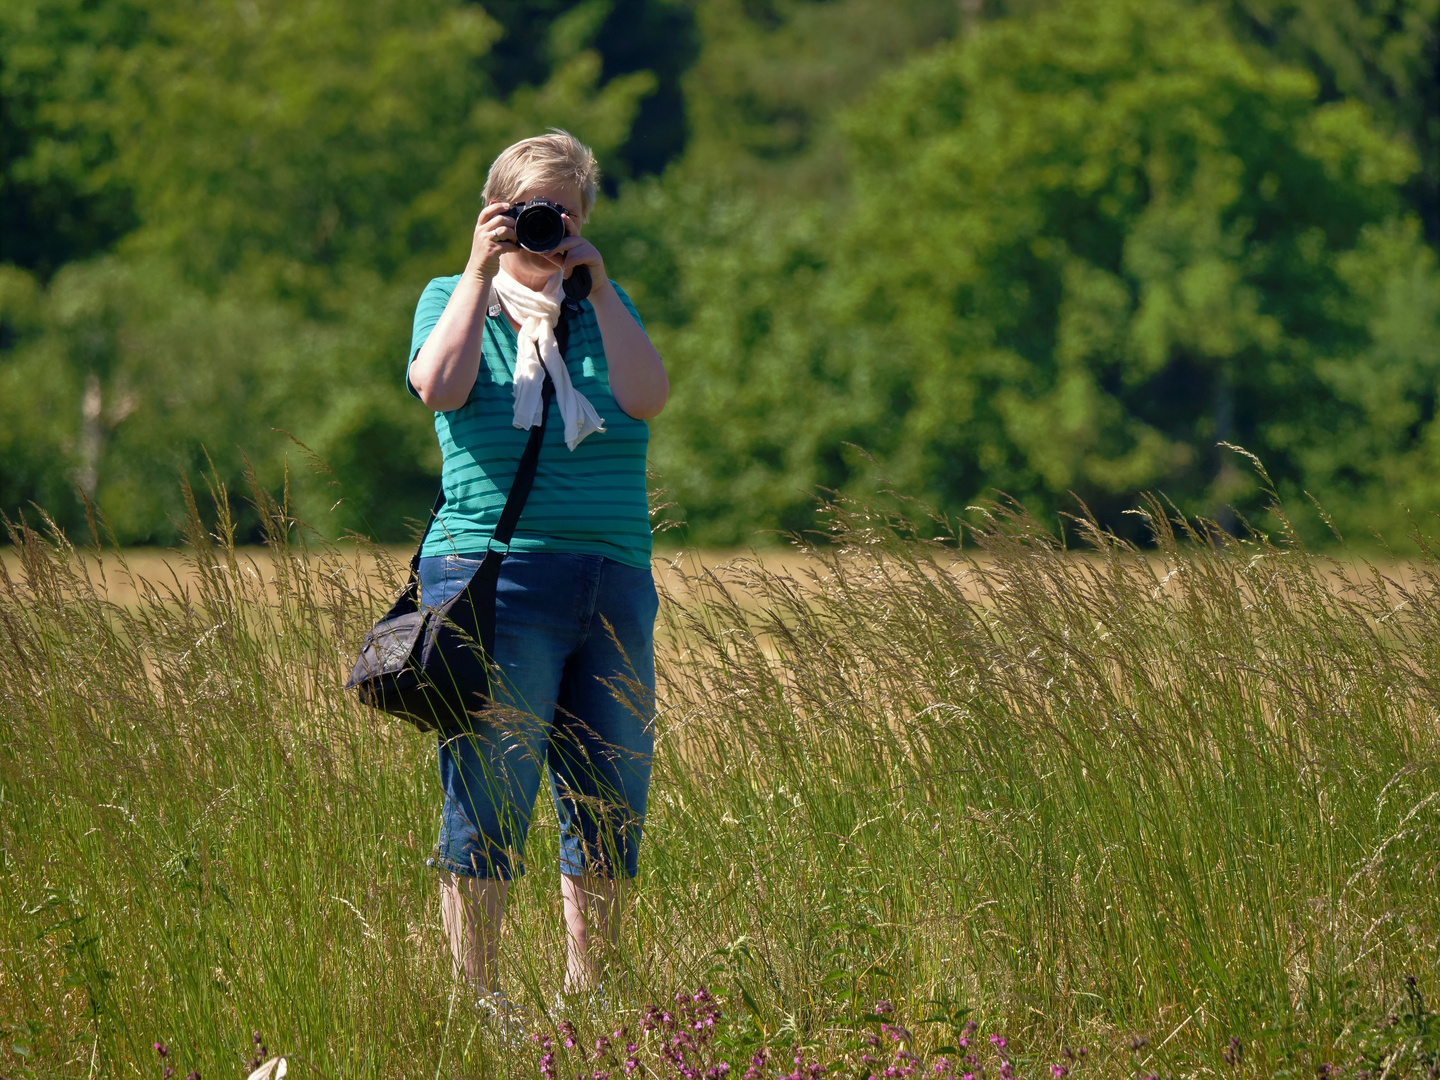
point(1171, 812)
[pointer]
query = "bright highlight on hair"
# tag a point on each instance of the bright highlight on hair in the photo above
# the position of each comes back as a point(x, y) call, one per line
point(556, 158)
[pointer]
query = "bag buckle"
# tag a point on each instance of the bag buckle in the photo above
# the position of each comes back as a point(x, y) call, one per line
point(497, 547)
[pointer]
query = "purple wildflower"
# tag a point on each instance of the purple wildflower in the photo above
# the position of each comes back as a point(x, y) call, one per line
point(1232, 1054)
point(261, 1050)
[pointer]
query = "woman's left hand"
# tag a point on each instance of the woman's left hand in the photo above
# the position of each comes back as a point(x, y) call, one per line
point(636, 372)
point(575, 251)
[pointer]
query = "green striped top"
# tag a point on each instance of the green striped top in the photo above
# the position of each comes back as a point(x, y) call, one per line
point(589, 501)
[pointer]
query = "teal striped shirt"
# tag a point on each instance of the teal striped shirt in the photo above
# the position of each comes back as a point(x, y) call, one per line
point(589, 501)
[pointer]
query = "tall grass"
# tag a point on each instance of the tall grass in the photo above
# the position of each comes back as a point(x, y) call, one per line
point(1179, 795)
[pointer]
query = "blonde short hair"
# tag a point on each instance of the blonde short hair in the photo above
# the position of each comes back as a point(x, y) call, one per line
point(556, 158)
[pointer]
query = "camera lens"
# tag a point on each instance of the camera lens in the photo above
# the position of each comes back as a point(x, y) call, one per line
point(539, 227)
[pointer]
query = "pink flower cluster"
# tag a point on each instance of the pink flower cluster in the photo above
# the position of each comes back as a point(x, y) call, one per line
point(902, 1062)
point(687, 1033)
point(166, 1071)
point(603, 1060)
point(681, 1041)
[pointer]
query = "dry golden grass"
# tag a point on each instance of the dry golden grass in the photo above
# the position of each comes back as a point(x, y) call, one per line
point(169, 569)
point(1189, 793)
point(674, 569)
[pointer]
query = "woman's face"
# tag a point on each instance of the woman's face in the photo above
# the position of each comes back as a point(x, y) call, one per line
point(534, 268)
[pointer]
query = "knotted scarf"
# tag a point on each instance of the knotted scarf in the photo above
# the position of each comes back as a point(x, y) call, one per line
point(537, 313)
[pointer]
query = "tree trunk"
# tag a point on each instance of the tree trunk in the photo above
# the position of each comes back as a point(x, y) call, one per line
point(92, 435)
point(971, 13)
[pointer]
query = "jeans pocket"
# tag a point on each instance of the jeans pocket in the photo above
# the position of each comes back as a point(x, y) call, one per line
point(438, 583)
point(458, 572)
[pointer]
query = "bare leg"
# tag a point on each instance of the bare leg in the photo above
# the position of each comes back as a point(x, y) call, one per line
point(592, 915)
point(471, 909)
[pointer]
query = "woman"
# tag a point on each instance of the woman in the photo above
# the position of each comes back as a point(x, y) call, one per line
point(575, 607)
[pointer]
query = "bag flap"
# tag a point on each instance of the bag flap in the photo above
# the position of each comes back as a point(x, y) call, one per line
point(388, 647)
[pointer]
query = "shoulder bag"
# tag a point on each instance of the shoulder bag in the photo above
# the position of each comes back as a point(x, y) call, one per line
point(431, 666)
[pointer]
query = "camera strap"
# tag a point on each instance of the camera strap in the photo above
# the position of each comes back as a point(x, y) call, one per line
point(529, 458)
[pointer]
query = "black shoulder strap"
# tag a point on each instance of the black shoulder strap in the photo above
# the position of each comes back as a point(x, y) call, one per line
point(524, 475)
point(484, 584)
point(530, 458)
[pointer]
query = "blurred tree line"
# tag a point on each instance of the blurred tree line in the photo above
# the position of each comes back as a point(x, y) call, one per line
point(1039, 246)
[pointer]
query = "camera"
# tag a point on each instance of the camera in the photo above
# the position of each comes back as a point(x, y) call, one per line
point(539, 225)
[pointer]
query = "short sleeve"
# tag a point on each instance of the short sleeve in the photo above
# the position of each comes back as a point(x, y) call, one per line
point(427, 314)
point(629, 305)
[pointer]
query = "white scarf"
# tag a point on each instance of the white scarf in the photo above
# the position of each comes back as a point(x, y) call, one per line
point(537, 313)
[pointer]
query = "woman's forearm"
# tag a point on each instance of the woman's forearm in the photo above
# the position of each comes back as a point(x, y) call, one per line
point(637, 374)
point(444, 370)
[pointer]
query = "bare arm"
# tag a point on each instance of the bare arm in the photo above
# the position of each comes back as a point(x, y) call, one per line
point(637, 374)
point(444, 370)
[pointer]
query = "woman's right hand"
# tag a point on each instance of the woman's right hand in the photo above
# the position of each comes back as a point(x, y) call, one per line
point(494, 236)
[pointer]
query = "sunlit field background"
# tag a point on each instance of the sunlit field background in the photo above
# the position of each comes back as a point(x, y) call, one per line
point(1180, 800)
point(1129, 795)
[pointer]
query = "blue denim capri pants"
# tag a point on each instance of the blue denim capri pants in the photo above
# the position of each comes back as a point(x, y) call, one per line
point(575, 691)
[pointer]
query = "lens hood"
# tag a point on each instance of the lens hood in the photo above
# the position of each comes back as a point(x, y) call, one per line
point(539, 225)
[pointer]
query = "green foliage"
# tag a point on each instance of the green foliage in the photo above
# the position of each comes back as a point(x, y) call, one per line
point(1130, 223)
point(1033, 245)
point(59, 197)
point(656, 36)
point(1075, 252)
point(1385, 54)
point(298, 174)
point(771, 73)
point(290, 142)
